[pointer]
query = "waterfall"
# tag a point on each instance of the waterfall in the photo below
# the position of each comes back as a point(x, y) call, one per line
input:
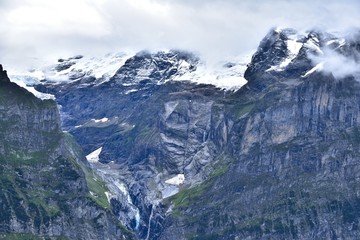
point(149, 223)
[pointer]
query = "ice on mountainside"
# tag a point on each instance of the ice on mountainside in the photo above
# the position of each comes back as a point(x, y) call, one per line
point(98, 67)
point(135, 71)
point(293, 48)
point(226, 74)
point(177, 180)
point(101, 120)
point(318, 67)
point(28, 79)
point(43, 96)
point(74, 68)
point(313, 44)
point(69, 70)
point(94, 156)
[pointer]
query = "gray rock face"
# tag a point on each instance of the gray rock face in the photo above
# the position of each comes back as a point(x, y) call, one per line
point(277, 159)
point(156, 68)
point(293, 172)
point(152, 135)
point(3, 75)
point(46, 190)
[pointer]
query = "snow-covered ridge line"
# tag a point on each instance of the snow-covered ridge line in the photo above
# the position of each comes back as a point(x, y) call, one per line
point(300, 45)
point(226, 74)
point(318, 67)
point(94, 156)
point(293, 48)
point(82, 66)
point(177, 180)
point(43, 96)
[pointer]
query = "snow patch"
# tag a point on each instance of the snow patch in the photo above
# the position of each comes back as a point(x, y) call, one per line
point(108, 196)
point(332, 41)
point(293, 48)
point(340, 42)
point(177, 180)
point(99, 67)
point(30, 78)
point(100, 120)
point(43, 96)
point(313, 44)
point(318, 67)
point(94, 156)
point(227, 74)
point(277, 29)
point(131, 91)
point(102, 68)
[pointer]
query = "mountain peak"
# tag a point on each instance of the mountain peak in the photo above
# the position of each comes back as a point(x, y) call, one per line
point(287, 53)
point(144, 67)
point(3, 75)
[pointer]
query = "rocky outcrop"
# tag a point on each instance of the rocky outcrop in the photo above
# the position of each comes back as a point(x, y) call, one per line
point(276, 159)
point(48, 190)
point(3, 75)
point(156, 68)
point(150, 135)
point(292, 171)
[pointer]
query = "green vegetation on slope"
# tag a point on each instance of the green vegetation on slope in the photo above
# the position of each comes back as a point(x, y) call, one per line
point(97, 187)
point(186, 197)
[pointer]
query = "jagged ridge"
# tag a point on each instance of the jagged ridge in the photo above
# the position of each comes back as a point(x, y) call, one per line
point(47, 188)
point(270, 160)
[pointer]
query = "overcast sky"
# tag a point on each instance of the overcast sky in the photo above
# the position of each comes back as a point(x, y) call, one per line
point(46, 29)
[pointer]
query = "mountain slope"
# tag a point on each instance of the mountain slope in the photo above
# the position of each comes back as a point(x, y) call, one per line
point(293, 167)
point(47, 188)
point(150, 136)
point(278, 159)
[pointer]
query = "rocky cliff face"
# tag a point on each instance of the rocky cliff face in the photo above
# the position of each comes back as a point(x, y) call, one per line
point(277, 159)
point(149, 132)
point(47, 190)
point(293, 165)
point(149, 136)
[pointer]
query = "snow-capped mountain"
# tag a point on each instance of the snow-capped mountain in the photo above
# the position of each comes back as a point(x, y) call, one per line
point(287, 51)
point(277, 159)
point(282, 51)
point(72, 69)
point(161, 67)
point(77, 67)
point(131, 70)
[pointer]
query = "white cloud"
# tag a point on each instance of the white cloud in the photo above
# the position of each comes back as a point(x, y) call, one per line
point(50, 29)
point(337, 64)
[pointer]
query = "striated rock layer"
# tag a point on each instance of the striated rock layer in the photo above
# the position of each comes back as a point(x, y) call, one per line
point(278, 159)
point(47, 189)
point(294, 168)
